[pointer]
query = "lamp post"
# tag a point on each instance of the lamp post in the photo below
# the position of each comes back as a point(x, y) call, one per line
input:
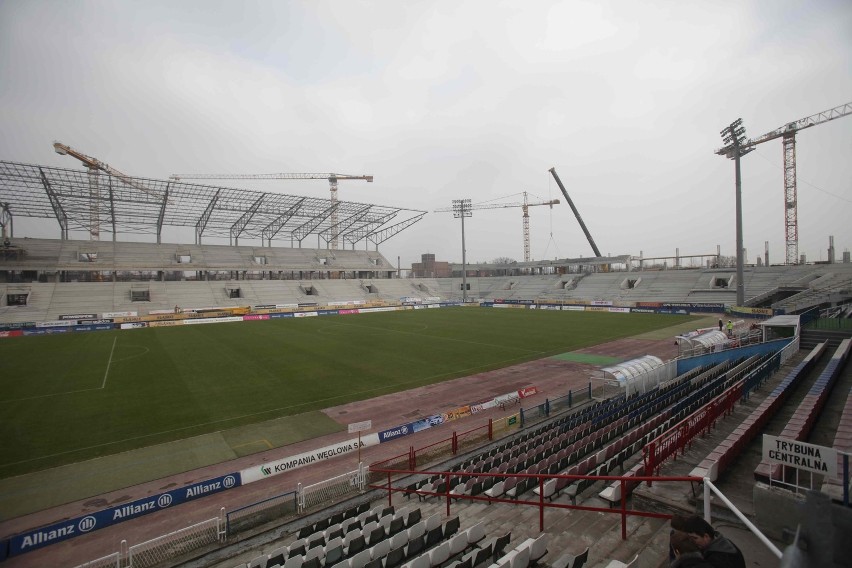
point(461, 209)
point(734, 138)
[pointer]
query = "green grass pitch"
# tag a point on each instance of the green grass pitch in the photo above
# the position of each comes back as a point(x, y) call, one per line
point(66, 398)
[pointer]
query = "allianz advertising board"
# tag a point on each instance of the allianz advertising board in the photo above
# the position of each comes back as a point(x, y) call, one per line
point(70, 528)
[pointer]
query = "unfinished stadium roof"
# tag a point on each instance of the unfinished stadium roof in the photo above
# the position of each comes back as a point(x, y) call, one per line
point(79, 200)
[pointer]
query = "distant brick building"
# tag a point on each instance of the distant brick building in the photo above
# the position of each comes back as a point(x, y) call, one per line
point(429, 268)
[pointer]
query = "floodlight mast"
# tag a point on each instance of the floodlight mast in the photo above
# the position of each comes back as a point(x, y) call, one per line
point(462, 209)
point(734, 138)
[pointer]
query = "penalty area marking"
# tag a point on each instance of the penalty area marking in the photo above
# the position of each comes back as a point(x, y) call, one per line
point(111, 351)
point(255, 442)
point(103, 384)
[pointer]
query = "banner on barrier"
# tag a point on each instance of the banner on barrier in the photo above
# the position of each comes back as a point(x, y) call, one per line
point(212, 320)
point(71, 528)
point(166, 323)
point(753, 311)
point(19, 324)
point(78, 316)
point(396, 432)
point(47, 330)
point(119, 314)
point(527, 391)
point(57, 323)
point(96, 327)
point(290, 463)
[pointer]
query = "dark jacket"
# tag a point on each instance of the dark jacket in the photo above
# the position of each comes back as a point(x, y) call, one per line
point(690, 560)
point(722, 553)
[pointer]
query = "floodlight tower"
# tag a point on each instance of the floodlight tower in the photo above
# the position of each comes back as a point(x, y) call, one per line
point(462, 209)
point(734, 138)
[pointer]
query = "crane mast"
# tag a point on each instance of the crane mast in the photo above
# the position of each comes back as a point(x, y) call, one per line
point(526, 217)
point(787, 133)
point(576, 213)
point(332, 182)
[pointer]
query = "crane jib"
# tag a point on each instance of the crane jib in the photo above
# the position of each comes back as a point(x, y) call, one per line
point(576, 213)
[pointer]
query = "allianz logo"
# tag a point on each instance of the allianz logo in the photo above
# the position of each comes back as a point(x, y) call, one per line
point(400, 431)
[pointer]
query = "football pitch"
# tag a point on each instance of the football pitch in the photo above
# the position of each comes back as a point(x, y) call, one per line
point(71, 397)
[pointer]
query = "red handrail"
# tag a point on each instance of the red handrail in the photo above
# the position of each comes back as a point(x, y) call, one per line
point(541, 478)
point(680, 436)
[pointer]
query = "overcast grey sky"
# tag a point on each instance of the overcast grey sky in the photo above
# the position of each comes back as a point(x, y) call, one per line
point(444, 100)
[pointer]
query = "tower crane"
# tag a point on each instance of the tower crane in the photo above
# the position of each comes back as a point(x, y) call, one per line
point(332, 182)
point(96, 166)
point(787, 133)
point(525, 206)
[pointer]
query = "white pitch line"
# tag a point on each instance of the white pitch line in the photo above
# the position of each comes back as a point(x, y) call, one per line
point(111, 351)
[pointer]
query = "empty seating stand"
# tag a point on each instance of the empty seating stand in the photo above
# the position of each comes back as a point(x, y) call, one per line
point(715, 463)
point(801, 423)
point(843, 444)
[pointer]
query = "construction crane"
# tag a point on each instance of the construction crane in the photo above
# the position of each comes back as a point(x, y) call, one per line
point(525, 206)
point(332, 182)
point(576, 213)
point(788, 135)
point(96, 166)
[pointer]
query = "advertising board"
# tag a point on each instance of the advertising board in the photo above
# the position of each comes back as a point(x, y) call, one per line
point(70, 528)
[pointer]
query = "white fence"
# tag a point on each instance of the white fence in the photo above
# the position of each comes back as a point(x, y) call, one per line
point(111, 561)
point(332, 489)
point(175, 544)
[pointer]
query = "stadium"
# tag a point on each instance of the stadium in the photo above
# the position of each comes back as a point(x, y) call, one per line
point(243, 406)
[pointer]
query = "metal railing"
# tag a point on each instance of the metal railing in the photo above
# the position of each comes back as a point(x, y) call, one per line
point(830, 324)
point(539, 502)
point(710, 490)
point(331, 490)
point(174, 544)
point(110, 561)
point(260, 513)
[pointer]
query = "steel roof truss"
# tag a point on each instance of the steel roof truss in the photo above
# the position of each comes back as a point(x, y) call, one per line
point(381, 236)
